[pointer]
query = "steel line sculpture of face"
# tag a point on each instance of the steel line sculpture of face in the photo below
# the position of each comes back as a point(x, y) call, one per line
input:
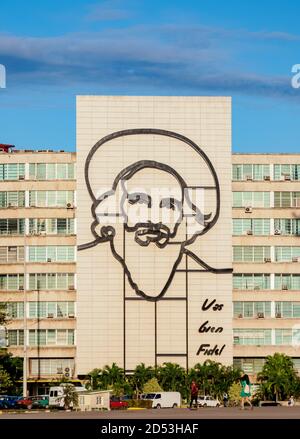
point(149, 199)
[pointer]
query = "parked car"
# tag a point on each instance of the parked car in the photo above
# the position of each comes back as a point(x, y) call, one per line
point(117, 403)
point(40, 402)
point(25, 403)
point(208, 401)
point(163, 399)
point(8, 402)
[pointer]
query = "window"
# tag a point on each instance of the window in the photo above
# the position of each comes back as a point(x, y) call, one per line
point(11, 254)
point(12, 199)
point(251, 281)
point(15, 310)
point(287, 337)
point(52, 253)
point(287, 170)
point(256, 337)
point(287, 309)
point(287, 226)
point(51, 281)
point(251, 309)
point(15, 337)
point(56, 309)
point(259, 226)
point(12, 171)
point(286, 254)
point(52, 226)
point(50, 366)
point(50, 198)
point(58, 337)
point(250, 253)
point(51, 171)
point(10, 282)
point(287, 281)
point(12, 226)
point(253, 199)
point(250, 171)
point(286, 199)
point(249, 365)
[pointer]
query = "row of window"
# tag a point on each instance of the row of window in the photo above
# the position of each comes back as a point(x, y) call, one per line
point(37, 281)
point(262, 226)
point(15, 310)
point(50, 366)
point(264, 309)
point(262, 281)
point(255, 365)
point(263, 199)
point(50, 253)
point(51, 171)
point(262, 172)
point(258, 337)
point(37, 171)
point(257, 253)
point(36, 199)
point(49, 226)
point(41, 337)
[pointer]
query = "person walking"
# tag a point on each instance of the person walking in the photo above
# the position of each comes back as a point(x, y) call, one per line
point(194, 394)
point(246, 391)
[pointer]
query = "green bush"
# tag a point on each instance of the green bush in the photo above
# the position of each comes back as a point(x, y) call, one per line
point(140, 403)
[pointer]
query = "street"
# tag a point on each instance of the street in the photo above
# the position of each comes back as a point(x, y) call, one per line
point(180, 413)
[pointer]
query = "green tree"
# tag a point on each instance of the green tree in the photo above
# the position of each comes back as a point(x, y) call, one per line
point(234, 394)
point(278, 377)
point(140, 376)
point(94, 381)
point(172, 378)
point(70, 396)
point(112, 375)
point(6, 383)
point(213, 378)
point(13, 366)
point(3, 314)
point(152, 386)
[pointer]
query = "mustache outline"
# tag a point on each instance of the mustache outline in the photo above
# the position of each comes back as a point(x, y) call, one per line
point(159, 230)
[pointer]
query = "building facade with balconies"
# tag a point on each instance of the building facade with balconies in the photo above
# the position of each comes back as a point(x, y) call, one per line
point(266, 258)
point(38, 259)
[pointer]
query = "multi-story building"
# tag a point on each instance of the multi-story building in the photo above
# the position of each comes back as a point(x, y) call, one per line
point(38, 259)
point(266, 258)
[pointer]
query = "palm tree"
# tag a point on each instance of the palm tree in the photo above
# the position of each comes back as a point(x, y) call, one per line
point(94, 381)
point(112, 376)
point(278, 376)
point(70, 396)
point(172, 377)
point(141, 376)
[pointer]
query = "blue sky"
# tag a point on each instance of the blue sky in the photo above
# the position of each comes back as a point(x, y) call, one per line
point(56, 49)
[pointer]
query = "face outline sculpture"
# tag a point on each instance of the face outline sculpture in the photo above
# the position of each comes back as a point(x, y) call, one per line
point(150, 230)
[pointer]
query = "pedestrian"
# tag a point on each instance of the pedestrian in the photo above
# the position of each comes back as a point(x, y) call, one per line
point(246, 391)
point(291, 401)
point(225, 399)
point(194, 394)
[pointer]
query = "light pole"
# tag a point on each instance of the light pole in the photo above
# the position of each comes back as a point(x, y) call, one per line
point(25, 323)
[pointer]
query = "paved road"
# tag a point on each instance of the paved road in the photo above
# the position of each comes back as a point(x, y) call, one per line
point(203, 413)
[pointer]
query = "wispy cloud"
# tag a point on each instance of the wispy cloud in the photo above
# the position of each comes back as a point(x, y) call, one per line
point(112, 10)
point(188, 59)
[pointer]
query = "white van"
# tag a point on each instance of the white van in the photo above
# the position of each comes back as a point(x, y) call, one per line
point(163, 399)
point(56, 395)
